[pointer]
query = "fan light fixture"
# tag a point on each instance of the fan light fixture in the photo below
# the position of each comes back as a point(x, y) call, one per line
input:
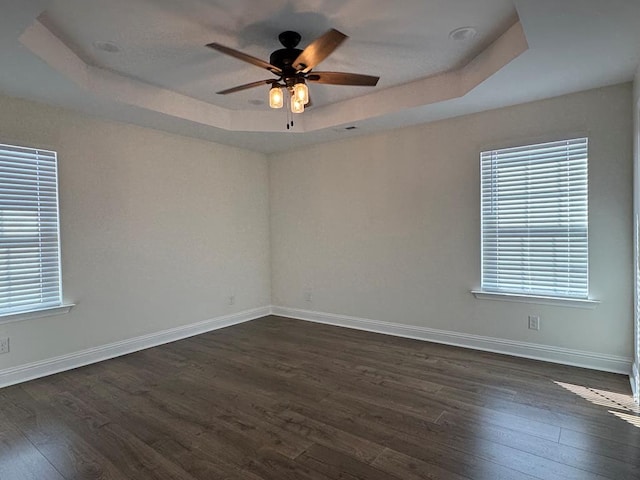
point(299, 96)
point(276, 97)
point(295, 67)
point(301, 92)
point(297, 105)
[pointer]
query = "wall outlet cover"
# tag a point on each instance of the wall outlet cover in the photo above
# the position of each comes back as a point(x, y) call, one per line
point(534, 322)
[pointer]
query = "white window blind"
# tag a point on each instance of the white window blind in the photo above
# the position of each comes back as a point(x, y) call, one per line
point(29, 233)
point(534, 219)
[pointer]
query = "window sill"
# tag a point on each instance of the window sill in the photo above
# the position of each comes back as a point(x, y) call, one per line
point(42, 312)
point(539, 299)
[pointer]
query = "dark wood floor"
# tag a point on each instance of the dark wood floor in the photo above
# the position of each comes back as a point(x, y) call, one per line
point(284, 399)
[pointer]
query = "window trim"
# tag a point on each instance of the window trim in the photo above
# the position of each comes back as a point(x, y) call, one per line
point(36, 313)
point(589, 303)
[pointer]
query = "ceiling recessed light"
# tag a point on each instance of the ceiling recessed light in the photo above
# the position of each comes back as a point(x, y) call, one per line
point(109, 47)
point(463, 33)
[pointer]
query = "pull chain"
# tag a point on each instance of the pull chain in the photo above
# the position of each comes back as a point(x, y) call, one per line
point(289, 118)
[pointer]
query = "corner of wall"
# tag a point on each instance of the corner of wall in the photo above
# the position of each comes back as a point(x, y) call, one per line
point(635, 376)
point(636, 85)
point(270, 158)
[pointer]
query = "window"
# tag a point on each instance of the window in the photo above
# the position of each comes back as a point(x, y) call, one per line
point(29, 233)
point(534, 220)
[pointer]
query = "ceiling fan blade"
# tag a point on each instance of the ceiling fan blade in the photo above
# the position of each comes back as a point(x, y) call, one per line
point(318, 50)
point(244, 57)
point(341, 78)
point(246, 86)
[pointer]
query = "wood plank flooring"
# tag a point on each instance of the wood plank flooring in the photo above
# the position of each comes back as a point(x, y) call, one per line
point(289, 400)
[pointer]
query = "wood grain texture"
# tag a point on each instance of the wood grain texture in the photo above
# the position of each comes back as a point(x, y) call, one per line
point(284, 399)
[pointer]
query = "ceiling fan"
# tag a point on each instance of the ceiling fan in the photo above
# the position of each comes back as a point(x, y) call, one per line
point(294, 67)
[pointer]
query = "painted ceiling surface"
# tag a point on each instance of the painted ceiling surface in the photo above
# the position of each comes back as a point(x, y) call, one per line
point(161, 75)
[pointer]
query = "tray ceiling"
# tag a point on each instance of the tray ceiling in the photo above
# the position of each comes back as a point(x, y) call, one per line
point(162, 76)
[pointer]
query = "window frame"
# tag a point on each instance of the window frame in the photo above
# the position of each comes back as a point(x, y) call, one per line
point(37, 310)
point(524, 295)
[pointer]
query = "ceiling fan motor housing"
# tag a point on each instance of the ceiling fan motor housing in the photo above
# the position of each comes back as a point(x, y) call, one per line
point(284, 57)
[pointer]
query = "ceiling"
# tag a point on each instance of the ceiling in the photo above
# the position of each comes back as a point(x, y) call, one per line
point(162, 76)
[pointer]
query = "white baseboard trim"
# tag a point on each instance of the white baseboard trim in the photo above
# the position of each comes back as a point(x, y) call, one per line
point(42, 368)
point(547, 353)
point(635, 374)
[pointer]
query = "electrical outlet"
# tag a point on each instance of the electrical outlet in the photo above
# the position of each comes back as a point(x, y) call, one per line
point(4, 345)
point(534, 322)
point(231, 300)
point(308, 295)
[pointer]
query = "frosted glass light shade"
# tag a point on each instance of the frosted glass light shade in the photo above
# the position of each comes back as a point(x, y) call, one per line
point(301, 92)
point(276, 97)
point(297, 106)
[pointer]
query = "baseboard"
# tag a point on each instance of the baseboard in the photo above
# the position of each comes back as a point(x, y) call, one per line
point(635, 374)
point(565, 356)
point(23, 373)
point(595, 361)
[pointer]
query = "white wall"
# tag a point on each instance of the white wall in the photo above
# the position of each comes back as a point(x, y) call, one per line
point(636, 215)
point(387, 227)
point(157, 230)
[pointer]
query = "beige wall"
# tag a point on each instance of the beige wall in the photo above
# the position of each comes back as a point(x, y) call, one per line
point(157, 230)
point(387, 227)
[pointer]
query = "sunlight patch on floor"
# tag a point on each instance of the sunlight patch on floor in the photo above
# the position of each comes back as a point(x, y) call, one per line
point(624, 405)
point(632, 419)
